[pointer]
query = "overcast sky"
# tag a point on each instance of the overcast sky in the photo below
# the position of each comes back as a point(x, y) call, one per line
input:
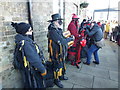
point(101, 4)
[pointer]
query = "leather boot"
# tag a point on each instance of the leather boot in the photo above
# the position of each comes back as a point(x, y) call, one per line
point(63, 77)
point(78, 61)
point(58, 83)
point(95, 62)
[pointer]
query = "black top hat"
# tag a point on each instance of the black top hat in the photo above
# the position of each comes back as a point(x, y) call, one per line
point(93, 22)
point(55, 17)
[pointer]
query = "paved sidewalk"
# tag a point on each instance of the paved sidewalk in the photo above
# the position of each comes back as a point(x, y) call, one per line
point(104, 75)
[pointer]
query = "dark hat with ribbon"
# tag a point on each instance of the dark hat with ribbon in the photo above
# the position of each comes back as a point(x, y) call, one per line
point(55, 17)
point(21, 28)
point(93, 22)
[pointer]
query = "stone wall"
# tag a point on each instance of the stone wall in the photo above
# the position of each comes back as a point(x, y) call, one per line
point(41, 14)
point(9, 11)
point(119, 12)
point(17, 12)
point(70, 8)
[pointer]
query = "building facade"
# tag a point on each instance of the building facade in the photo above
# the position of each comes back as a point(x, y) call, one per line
point(119, 13)
point(17, 11)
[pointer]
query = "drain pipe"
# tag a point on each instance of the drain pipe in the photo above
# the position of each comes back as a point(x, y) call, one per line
point(29, 7)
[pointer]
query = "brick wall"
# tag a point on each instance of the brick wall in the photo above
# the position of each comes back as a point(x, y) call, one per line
point(119, 12)
point(70, 8)
point(41, 14)
point(17, 12)
point(9, 11)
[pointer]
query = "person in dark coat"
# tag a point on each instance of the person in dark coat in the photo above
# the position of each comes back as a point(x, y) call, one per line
point(96, 35)
point(30, 53)
point(57, 49)
point(99, 24)
point(82, 24)
point(103, 26)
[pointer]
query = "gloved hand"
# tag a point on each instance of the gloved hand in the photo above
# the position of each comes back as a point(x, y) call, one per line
point(44, 74)
point(44, 77)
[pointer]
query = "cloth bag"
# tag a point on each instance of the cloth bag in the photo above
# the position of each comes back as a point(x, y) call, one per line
point(100, 43)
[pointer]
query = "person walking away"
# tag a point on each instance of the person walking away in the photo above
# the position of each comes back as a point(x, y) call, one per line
point(103, 26)
point(107, 30)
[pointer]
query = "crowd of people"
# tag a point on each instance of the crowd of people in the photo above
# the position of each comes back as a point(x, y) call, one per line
point(40, 73)
point(111, 30)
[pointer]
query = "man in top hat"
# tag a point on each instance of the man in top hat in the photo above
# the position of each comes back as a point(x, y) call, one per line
point(57, 48)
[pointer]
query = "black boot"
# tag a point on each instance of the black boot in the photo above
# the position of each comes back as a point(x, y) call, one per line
point(63, 77)
point(86, 63)
point(58, 83)
point(95, 62)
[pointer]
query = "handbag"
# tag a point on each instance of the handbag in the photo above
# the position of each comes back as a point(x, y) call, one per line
point(100, 43)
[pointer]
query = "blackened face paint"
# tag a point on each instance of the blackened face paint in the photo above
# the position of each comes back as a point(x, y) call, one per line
point(60, 22)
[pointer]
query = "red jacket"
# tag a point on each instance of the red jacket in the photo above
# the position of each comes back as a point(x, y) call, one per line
point(74, 31)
